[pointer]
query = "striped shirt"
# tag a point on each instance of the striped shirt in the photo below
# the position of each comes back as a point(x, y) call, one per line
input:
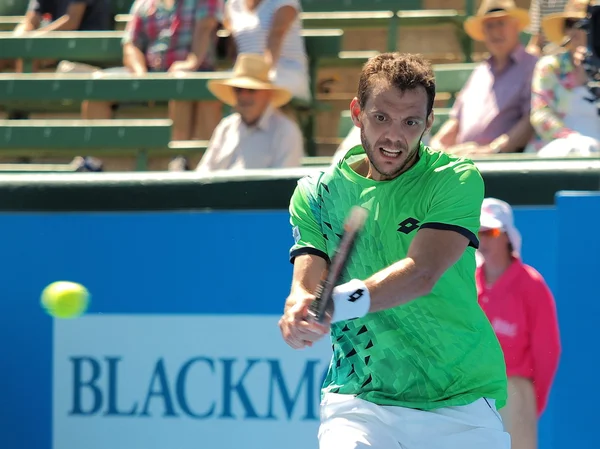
point(540, 9)
point(250, 30)
point(165, 35)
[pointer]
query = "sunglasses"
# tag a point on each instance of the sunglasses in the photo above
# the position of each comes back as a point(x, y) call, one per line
point(492, 233)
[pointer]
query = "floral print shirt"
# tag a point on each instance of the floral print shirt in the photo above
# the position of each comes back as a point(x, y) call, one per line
point(554, 78)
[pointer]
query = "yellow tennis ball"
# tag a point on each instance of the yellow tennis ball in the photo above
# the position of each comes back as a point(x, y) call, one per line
point(64, 299)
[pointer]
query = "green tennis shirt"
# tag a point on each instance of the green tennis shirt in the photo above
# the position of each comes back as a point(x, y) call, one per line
point(438, 350)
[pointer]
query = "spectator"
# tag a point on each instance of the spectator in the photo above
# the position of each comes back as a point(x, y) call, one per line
point(537, 11)
point(171, 36)
point(563, 110)
point(521, 309)
point(491, 113)
point(349, 142)
point(44, 16)
point(257, 135)
point(272, 28)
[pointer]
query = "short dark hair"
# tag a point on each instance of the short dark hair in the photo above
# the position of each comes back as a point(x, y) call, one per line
point(402, 70)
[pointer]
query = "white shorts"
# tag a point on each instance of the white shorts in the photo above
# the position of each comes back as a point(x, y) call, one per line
point(351, 423)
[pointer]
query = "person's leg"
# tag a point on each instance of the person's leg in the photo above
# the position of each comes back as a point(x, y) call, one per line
point(103, 110)
point(96, 110)
point(351, 423)
point(36, 65)
point(474, 426)
point(520, 413)
point(207, 115)
point(8, 65)
point(182, 115)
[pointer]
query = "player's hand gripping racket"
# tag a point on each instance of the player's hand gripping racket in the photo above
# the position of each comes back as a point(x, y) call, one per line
point(352, 226)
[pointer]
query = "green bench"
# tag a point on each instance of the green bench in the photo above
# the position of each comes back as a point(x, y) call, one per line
point(8, 23)
point(36, 138)
point(51, 93)
point(104, 49)
point(122, 87)
point(357, 14)
point(354, 14)
point(450, 78)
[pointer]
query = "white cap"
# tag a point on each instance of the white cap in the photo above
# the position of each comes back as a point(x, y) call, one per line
point(497, 214)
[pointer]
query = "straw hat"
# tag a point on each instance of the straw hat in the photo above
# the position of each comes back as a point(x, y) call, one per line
point(250, 72)
point(553, 25)
point(495, 8)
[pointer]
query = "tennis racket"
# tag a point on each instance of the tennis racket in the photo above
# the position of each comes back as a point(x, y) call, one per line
point(352, 227)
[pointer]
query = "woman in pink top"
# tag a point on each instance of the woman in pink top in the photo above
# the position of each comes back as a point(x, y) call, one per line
point(521, 308)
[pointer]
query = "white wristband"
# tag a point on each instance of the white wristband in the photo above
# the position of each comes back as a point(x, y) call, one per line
point(350, 300)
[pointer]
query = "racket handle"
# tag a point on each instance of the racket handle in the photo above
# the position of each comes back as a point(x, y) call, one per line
point(313, 309)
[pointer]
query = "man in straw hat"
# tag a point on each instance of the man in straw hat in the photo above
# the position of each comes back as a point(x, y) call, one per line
point(491, 113)
point(257, 135)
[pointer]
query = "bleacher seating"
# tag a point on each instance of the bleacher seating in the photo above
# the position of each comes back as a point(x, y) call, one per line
point(32, 92)
point(92, 137)
point(324, 24)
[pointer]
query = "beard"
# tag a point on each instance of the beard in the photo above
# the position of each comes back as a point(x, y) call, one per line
point(390, 173)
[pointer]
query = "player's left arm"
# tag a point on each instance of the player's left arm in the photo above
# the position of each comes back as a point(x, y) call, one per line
point(450, 226)
point(431, 253)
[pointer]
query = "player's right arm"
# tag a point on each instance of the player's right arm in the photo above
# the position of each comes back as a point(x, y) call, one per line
point(308, 271)
point(310, 259)
point(295, 329)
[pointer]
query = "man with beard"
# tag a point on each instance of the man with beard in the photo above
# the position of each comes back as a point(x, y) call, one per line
point(416, 363)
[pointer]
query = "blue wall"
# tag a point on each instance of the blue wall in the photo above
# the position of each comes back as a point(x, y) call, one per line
point(198, 263)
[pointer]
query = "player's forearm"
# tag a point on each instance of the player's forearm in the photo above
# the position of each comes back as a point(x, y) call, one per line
point(308, 272)
point(398, 284)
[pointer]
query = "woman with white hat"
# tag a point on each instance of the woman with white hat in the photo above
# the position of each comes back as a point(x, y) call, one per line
point(563, 112)
point(521, 309)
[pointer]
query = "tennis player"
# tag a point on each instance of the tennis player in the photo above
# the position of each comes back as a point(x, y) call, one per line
point(521, 308)
point(416, 363)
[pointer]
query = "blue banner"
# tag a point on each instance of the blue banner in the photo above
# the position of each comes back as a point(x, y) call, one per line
point(159, 361)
